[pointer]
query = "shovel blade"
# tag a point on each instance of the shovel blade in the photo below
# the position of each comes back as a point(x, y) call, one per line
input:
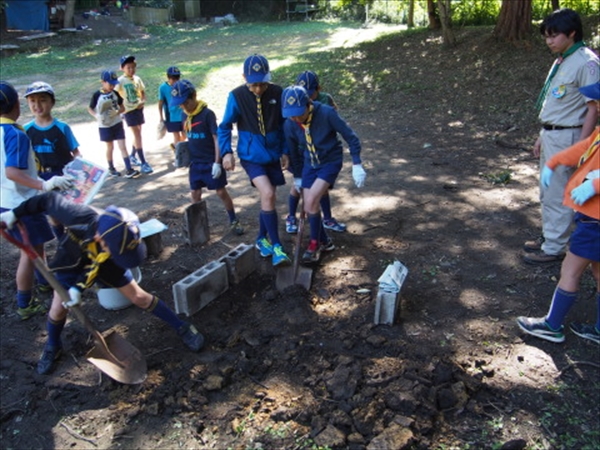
point(290, 276)
point(122, 362)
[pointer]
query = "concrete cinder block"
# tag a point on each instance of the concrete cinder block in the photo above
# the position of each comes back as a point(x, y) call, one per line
point(386, 306)
point(199, 288)
point(240, 262)
point(196, 223)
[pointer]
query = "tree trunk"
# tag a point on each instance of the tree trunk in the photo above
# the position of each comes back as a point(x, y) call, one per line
point(514, 21)
point(434, 22)
point(411, 14)
point(555, 5)
point(446, 20)
point(69, 14)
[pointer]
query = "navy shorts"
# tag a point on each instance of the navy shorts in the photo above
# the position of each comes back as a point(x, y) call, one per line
point(272, 171)
point(110, 275)
point(135, 117)
point(327, 172)
point(585, 239)
point(114, 133)
point(201, 177)
point(174, 126)
point(37, 226)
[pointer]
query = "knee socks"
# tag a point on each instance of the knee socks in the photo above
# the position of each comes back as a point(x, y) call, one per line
point(561, 304)
point(23, 299)
point(269, 219)
point(162, 311)
point(326, 207)
point(315, 226)
point(54, 329)
point(293, 204)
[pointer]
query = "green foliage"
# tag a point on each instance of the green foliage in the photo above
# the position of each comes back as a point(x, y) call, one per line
point(152, 3)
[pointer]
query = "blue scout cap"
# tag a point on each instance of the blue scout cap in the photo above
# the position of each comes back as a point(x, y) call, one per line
point(309, 81)
point(591, 91)
point(39, 87)
point(181, 92)
point(8, 97)
point(127, 59)
point(110, 77)
point(173, 72)
point(294, 101)
point(119, 228)
point(256, 69)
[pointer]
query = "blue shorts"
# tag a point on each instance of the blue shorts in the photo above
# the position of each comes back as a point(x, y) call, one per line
point(109, 275)
point(114, 133)
point(585, 239)
point(174, 126)
point(327, 172)
point(37, 227)
point(272, 171)
point(201, 177)
point(135, 117)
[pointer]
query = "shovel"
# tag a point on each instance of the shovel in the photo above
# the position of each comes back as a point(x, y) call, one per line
point(296, 274)
point(112, 354)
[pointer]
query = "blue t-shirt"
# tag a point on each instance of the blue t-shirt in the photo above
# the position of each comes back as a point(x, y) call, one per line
point(53, 145)
point(171, 113)
point(200, 136)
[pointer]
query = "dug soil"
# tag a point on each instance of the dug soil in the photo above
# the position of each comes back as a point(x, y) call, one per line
point(452, 193)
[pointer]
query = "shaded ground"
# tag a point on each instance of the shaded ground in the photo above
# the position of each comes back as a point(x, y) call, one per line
point(441, 129)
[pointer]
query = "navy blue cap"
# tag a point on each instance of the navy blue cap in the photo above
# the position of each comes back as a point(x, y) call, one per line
point(120, 230)
point(182, 90)
point(294, 101)
point(127, 59)
point(256, 69)
point(309, 81)
point(173, 72)
point(110, 77)
point(8, 97)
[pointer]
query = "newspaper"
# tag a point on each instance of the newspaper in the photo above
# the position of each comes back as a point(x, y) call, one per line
point(88, 179)
point(393, 277)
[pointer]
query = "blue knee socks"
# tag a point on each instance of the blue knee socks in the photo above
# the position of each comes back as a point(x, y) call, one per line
point(326, 207)
point(162, 311)
point(23, 299)
point(269, 220)
point(561, 303)
point(293, 204)
point(315, 226)
point(54, 329)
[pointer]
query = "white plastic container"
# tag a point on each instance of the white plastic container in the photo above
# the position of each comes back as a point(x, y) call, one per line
point(111, 298)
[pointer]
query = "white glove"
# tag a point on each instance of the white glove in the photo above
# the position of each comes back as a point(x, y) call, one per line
point(216, 170)
point(62, 183)
point(75, 296)
point(298, 184)
point(359, 175)
point(8, 218)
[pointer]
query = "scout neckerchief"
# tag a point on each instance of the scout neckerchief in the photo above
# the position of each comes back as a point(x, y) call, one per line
point(7, 121)
point(97, 256)
point(554, 70)
point(187, 126)
point(590, 151)
point(261, 119)
point(310, 146)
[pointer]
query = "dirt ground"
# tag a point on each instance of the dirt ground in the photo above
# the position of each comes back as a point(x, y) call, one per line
point(451, 192)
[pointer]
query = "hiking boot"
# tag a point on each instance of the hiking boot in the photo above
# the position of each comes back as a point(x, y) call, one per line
point(540, 328)
point(540, 257)
point(265, 247)
point(132, 173)
point(328, 245)
point(134, 161)
point(291, 225)
point(48, 360)
point(533, 245)
point(191, 337)
point(279, 256)
point(35, 307)
point(586, 331)
point(312, 255)
point(147, 168)
point(236, 227)
point(113, 172)
point(334, 225)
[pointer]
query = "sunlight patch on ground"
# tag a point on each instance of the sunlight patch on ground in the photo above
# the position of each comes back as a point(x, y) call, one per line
point(349, 37)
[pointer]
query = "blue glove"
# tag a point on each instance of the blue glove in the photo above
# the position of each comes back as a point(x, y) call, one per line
point(583, 192)
point(546, 176)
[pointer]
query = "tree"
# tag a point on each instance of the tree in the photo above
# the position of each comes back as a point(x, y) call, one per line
point(69, 14)
point(411, 14)
point(514, 21)
point(446, 20)
point(555, 5)
point(434, 22)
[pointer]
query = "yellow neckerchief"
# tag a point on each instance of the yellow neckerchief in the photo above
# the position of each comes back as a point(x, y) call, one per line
point(310, 146)
point(7, 121)
point(261, 119)
point(187, 126)
point(97, 256)
point(590, 151)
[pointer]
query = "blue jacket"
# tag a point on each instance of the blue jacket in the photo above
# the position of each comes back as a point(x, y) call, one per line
point(241, 109)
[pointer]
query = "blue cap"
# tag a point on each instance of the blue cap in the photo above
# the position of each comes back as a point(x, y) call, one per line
point(127, 59)
point(294, 101)
point(120, 230)
point(110, 77)
point(8, 97)
point(181, 92)
point(256, 69)
point(309, 81)
point(173, 72)
point(591, 91)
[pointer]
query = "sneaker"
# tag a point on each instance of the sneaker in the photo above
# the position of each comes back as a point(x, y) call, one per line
point(265, 247)
point(334, 225)
point(279, 256)
point(147, 168)
point(113, 172)
point(312, 255)
point(191, 337)
point(47, 362)
point(328, 245)
point(586, 331)
point(134, 161)
point(539, 328)
point(132, 173)
point(540, 257)
point(534, 245)
point(44, 289)
point(291, 225)
point(236, 227)
point(35, 307)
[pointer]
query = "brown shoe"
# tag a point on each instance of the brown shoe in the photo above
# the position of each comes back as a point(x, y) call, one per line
point(534, 245)
point(540, 257)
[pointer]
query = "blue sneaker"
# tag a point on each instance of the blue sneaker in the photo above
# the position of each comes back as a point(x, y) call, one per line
point(279, 256)
point(334, 225)
point(540, 328)
point(134, 161)
point(291, 225)
point(265, 247)
point(146, 168)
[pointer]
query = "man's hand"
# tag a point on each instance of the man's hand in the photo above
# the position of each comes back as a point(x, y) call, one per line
point(8, 218)
point(75, 296)
point(537, 147)
point(216, 170)
point(61, 183)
